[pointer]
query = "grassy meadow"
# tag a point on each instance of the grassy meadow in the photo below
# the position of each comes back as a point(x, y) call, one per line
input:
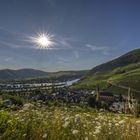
point(40, 122)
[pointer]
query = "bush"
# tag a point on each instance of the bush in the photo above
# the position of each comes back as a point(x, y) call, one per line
point(119, 71)
point(16, 100)
point(137, 109)
point(92, 101)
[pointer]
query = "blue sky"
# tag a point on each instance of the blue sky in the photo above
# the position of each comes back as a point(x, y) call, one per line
point(86, 32)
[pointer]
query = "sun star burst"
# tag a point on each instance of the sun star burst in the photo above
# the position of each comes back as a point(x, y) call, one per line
point(43, 40)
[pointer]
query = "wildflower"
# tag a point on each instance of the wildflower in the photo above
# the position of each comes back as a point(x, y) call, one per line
point(109, 124)
point(121, 122)
point(67, 119)
point(96, 119)
point(24, 135)
point(133, 128)
point(27, 106)
point(84, 125)
point(116, 124)
point(74, 132)
point(9, 121)
point(44, 136)
point(21, 111)
point(97, 131)
point(138, 122)
point(66, 124)
point(77, 118)
point(87, 115)
point(98, 123)
point(98, 127)
point(77, 115)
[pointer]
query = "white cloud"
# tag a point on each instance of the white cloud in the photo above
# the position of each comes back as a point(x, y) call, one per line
point(11, 45)
point(63, 43)
point(103, 49)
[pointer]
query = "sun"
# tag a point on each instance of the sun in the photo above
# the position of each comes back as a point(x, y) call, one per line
point(43, 40)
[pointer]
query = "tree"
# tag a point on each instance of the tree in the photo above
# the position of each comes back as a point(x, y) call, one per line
point(92, 101)
point(136, 109)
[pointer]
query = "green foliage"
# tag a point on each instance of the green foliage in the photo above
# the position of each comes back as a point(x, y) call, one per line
point(124, 72)
point(62, 123)
point(132, 57)
point(15, 99)
point(92, 101)
point(128, 76)
point(137, 109)
point(2, 105)
point(118, 71)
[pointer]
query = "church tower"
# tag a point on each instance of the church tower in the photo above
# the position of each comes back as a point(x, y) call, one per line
point(97, 93)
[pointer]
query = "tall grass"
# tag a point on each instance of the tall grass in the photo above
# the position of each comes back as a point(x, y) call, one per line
point(36, 122)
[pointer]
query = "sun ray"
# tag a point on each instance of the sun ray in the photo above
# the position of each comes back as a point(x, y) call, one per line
point(43, 40)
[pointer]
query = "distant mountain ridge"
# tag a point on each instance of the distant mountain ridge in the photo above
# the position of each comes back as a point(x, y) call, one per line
point(21, 73)
point(9, 74)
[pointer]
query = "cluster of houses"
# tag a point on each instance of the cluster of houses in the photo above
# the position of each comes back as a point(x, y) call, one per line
point(116, 103)
point(64, 95)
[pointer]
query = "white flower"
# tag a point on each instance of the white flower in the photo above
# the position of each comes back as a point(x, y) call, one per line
point(44, 136)
point(109, 124)
point(27, 106)
point(96, 119)
point(24, 135)
point(65, 124)
point(133, 128)
point(84, 125)
point(67, 119)
point(77, 118)
point(138, 122)
point(98, 127)
point(9, 121)
point(116, 124)
point(74, 132)
point(98, 123)
point(97, 131)
point(121, 122)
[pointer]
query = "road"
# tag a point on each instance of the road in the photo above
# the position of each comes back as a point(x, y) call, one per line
point(121, 86)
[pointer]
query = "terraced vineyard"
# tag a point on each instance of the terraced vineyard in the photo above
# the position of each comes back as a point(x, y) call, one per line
point(116, 76)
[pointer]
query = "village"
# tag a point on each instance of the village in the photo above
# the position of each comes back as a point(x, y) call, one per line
point(102, 100)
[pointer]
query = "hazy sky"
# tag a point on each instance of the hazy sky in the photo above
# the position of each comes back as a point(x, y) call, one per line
point(87, 32)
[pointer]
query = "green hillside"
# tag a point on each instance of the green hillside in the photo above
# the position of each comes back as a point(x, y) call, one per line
point(67, 74)
point(33, 74)
point(6, 74)
point(124, 60)
point(116, 76)
point(57, 76)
